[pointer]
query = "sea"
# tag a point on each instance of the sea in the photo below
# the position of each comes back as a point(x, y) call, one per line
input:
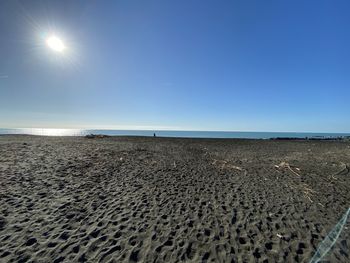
point(168, 133)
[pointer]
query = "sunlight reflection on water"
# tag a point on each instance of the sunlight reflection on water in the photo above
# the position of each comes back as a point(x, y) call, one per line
point(47, 132)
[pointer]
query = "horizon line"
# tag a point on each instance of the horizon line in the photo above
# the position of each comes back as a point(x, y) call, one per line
point(174, 130)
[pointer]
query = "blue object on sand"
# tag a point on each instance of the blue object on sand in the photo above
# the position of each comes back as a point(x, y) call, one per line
point(330, 239)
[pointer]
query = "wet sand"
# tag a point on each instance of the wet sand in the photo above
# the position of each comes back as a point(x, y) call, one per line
point(70, 199)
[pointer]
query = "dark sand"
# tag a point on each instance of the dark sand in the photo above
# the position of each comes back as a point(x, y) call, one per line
point(170, 200)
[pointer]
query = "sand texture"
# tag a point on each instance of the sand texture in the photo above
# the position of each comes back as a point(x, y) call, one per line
point(69, 199)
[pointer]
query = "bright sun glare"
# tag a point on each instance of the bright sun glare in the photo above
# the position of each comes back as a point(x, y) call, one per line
point(55, 43)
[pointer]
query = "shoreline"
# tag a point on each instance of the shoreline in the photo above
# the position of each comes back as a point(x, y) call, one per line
point(102, 136)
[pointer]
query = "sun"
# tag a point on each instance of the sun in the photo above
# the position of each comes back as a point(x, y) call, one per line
point(55, 43)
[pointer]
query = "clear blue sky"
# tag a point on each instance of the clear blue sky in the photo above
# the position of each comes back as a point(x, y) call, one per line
point(202, 65)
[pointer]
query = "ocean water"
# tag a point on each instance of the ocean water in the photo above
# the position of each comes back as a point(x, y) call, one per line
point(163, 133)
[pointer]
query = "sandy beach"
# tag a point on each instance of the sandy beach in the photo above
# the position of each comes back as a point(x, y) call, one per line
point(124, 199)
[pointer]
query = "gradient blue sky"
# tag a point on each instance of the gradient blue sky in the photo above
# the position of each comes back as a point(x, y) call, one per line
point(184, 64)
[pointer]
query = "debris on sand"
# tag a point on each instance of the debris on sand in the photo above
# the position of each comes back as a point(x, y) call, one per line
point(344, 170)
point(285, 165)
point(303, 187)
point(222, 164)
point(96, 136)
point(279, 236)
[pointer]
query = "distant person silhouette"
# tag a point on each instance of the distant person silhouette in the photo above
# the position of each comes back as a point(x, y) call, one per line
point(154, 134)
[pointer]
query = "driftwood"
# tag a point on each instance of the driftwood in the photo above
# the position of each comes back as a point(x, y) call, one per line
point(303, 187)
point(285, 165)
point(222, 164)
point(344, 170)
